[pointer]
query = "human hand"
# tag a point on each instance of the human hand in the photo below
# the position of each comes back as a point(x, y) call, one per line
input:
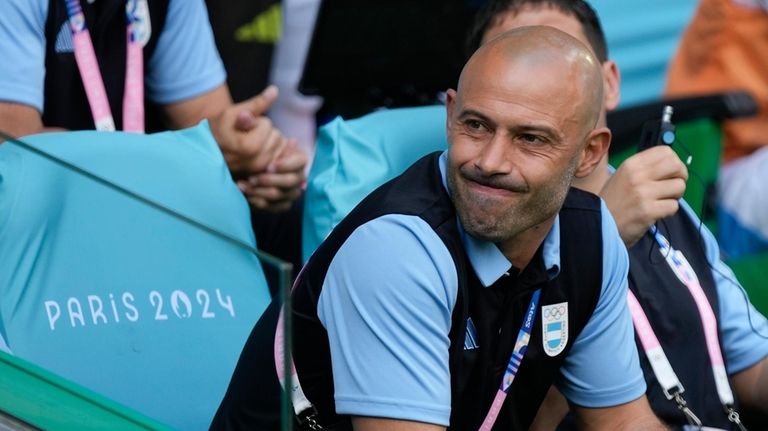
point(246, 137)
point(645, 188)
point(281, 184)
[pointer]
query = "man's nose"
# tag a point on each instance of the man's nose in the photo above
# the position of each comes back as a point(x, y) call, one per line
point(494, 157)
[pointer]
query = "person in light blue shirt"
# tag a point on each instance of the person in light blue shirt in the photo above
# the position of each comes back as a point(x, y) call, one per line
point(40, 86)
point(590, 378)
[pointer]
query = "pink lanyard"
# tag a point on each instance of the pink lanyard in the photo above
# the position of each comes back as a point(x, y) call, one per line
point(518, 353)
point(654, 352)
point(137, 35)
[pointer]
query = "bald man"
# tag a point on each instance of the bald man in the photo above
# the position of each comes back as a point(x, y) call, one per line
point(456, 294)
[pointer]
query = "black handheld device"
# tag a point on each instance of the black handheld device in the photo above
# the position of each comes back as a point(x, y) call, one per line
point(658, 132)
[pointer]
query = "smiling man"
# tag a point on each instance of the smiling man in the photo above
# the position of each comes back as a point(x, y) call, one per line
point(456, 294)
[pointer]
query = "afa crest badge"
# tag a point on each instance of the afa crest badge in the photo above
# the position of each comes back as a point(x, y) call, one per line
point(554, 321)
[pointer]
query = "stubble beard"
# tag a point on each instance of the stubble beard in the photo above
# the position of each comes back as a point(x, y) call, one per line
point(530, 209)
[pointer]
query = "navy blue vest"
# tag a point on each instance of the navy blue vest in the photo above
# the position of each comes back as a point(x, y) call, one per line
point(496, 311)
point(65, 102)
point(675, 320)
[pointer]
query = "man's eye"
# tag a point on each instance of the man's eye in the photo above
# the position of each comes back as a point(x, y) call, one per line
point(532, 139)
point(474, 125)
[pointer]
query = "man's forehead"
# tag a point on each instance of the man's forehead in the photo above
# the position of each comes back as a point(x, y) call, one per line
point(543, 106)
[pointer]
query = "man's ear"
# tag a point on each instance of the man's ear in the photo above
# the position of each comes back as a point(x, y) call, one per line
point(596, 148)
point(611, 84)
point(450, 105)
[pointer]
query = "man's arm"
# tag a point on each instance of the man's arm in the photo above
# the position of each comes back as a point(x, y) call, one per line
point(601, 374)
point(247, 139)
point(633, 416)
point(645, 188)
point(18, 120)
point(22, 68)
point(270, 168)
point(386, 304)
point(751, 386)
point(379, 424)
point(552, 411)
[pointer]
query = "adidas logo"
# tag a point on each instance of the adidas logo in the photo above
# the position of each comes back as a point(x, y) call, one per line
point(64, 40)
point(470, 336)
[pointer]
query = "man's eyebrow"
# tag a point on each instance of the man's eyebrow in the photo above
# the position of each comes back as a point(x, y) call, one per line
point(546, 130)
point(475, 114)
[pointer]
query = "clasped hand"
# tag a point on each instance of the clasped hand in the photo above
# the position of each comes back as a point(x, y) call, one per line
point(268, 167)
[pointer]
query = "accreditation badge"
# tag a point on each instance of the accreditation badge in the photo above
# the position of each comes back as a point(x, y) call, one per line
point(554, 322)
point(137, 12)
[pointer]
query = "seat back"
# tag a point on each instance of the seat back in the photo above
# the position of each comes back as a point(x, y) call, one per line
point(115, 294)
point(354, 157)
point(26, 388)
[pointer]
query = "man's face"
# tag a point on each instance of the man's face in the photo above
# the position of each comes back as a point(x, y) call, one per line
point(515, 133)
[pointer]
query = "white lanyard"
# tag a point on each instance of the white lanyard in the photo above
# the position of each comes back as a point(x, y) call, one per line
point(302, 407)
point(138, 30)
point(653, 350)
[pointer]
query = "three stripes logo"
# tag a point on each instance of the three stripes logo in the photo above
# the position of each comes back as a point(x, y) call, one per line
point(470, 337)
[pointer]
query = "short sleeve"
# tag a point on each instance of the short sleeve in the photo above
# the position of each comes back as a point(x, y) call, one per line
point(603, 369)
point(22, 43)
point(185, 63)
point(386, 304)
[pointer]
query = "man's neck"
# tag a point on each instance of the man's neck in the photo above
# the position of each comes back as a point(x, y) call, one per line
point(521, 249)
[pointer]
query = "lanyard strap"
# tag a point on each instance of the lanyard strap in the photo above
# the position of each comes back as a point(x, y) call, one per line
point(306, 412)
point(660, 365)
point(658, 360)
point(518, 353)
point(303, 409)
point(137, 34)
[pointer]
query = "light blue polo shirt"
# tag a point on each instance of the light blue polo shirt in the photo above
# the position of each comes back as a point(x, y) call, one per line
point(388, 298)
point(185, 63)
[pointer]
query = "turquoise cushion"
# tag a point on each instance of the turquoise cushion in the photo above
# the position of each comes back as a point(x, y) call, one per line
point(354, 157)
point(116, 295)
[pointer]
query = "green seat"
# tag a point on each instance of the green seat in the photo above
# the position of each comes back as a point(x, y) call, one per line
point(31, 397)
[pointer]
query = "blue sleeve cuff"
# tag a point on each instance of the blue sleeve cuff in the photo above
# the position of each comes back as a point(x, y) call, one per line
point(184, 89)
point(597, 398)
point(24, 95)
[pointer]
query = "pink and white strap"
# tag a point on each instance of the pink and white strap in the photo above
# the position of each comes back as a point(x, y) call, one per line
point(137, 34)
point(662, 369)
